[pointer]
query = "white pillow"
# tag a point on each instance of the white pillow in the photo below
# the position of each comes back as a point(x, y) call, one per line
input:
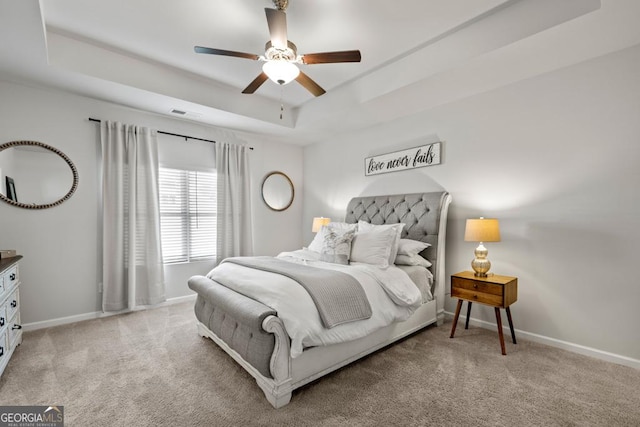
point(318, 240)
point(373, 247)
point(411, 247)
point(365, 226)
point(336, 247)
point(316, 243)
point(412, 260)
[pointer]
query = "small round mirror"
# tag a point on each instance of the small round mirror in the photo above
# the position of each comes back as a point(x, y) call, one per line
point(277, 191)
point(34, 175)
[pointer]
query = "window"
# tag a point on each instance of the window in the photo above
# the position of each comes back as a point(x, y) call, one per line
point(187, 215)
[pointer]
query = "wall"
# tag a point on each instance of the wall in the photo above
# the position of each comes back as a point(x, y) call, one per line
point(61, 246)
point(555, 158)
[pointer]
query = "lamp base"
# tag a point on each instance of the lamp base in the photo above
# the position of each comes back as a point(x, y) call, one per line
point(481, 265)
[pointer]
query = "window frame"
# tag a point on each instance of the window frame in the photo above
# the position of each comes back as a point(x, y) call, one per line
point(186, 215)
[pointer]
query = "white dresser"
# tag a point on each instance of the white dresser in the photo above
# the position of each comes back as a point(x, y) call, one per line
point(10, 328)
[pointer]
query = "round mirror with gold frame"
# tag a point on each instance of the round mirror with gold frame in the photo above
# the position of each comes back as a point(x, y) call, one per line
point(277, 191)
point(35, 175)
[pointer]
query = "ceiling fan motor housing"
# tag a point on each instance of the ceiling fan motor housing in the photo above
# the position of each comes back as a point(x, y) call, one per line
point(281, 4)
point(272, 53)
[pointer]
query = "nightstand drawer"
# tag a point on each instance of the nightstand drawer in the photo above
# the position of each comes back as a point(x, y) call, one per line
point(475, 286)
point(476, 296)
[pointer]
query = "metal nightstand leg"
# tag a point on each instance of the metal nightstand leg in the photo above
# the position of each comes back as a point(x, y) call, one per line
point(466, 323)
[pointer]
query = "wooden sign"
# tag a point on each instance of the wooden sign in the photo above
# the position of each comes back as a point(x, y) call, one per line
point(418, 157)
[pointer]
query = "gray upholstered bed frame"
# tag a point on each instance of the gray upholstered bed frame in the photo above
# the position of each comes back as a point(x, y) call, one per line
point(255, 337)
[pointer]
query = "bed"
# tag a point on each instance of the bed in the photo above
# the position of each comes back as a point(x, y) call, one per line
point(255, 333)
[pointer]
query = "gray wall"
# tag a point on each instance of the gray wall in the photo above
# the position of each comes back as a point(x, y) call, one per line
point(61, 246)
point(555, 158)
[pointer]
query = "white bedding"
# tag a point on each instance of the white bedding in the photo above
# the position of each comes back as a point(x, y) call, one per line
point(392, 295)
point(422, 278)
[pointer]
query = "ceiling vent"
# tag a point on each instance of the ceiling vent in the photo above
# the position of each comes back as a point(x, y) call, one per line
point(185, 114)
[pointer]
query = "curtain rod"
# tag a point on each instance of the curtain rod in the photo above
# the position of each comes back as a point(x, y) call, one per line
point(172, 134)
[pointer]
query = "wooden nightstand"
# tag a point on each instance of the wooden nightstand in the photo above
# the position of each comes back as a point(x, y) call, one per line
point(496, 291)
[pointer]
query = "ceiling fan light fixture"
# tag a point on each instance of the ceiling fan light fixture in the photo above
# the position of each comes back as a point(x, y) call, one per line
point(280, 71)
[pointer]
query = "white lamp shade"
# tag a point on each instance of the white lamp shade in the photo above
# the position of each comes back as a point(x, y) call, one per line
point(318, 223)
point(280, 71)
point(482, 230)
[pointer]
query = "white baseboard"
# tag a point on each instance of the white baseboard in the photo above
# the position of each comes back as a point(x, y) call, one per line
point(98, 314)
point(575, 348)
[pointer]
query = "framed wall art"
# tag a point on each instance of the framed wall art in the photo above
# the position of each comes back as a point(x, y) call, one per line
point(417, 157)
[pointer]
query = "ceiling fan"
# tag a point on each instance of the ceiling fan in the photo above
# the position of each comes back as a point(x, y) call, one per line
point(281, 55)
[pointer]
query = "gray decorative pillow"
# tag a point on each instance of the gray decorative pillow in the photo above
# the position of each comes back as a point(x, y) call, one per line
point(336, 246)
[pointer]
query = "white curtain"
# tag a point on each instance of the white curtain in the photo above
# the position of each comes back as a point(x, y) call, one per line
point(235, 237)
point(132, 256)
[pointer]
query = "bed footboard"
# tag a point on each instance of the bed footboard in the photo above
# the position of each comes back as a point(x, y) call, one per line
point(248, 331)
point(235, 319)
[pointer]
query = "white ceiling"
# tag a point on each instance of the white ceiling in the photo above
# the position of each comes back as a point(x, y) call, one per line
point(416, 54)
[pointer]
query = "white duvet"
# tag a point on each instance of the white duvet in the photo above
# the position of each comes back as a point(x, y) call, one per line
point(392, 295)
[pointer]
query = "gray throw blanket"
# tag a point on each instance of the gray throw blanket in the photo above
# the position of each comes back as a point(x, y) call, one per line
point(338, 296)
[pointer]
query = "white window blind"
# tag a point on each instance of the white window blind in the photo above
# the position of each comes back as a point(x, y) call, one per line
point(188, 207)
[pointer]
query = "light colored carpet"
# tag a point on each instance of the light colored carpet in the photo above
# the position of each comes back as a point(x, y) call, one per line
point(151, 368)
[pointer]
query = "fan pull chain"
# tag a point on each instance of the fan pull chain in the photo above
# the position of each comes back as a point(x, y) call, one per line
point(281, 104)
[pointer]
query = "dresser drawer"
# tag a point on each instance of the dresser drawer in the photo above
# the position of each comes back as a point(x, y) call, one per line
point(14, 331)
point(4, 348)
point(10, 277)
point(13, 304)
point(4, 320)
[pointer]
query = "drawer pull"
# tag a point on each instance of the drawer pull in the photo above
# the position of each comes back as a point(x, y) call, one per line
point(475, 296)
point(1, 321)
point(12, 276)
point(14, 304)
point(1, 351)
point(16, 327)
point(475, 286)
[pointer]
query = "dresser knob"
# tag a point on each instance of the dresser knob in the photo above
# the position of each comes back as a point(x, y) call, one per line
point(12, 277)
point(475, 286)
point(475, 296)
point(1, 351)
point(1, 321)
point(14, 303)
point(16, 327)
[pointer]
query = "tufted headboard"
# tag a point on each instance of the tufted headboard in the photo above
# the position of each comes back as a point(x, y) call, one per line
point(425, 219)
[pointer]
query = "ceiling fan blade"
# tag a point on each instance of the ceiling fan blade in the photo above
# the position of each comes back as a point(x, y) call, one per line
point(256, 83)
point(331, 57)
point(211, 51)
point(277, 21)
point(309, 84)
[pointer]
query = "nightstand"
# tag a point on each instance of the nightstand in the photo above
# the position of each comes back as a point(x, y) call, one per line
point(496, 291)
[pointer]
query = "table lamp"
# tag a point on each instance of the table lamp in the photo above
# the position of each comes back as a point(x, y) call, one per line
point(318, 222)
point(481, 230)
